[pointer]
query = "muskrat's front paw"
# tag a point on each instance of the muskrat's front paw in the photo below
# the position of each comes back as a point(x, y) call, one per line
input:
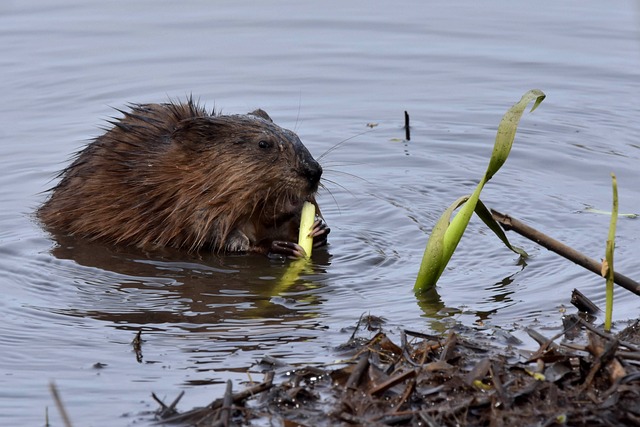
point(237, 242)
point(289, 249)
point(319, 231)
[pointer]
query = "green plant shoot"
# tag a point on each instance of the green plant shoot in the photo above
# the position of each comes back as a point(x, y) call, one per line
point(299, 266)
point(447, 233)
point(607, 270)
point(307, 217)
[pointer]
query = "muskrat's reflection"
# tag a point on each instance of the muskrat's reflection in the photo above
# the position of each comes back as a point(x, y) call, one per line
point(195, 292)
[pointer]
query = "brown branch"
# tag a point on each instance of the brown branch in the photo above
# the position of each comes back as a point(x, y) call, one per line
point(509, 223)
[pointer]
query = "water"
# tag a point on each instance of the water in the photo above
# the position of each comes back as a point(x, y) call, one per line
point(70, 309)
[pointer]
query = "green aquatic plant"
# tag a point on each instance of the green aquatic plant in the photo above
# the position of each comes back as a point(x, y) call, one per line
point(299, 266)
point(601, 212)
point(446, 234)
point(607, 267)
point(307, 217)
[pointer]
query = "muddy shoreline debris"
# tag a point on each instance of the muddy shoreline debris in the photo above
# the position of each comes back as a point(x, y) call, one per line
point(582, 376)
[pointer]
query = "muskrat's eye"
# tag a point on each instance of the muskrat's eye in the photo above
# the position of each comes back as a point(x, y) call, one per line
point(264, 144)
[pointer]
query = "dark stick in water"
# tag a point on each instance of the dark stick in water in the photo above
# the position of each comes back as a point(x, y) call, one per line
point(407, 128)
point(582, 303)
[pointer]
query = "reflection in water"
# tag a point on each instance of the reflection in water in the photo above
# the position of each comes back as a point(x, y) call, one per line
point(431, 304)
point(499, 296)
point(197, 293)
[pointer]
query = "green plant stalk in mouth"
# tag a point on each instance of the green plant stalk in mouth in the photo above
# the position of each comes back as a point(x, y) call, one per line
point(307, 219)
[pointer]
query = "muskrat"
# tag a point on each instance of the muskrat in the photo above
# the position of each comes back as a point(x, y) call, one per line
point(175, 175)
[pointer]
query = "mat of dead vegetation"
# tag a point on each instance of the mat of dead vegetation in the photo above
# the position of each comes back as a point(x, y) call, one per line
point(581, 377)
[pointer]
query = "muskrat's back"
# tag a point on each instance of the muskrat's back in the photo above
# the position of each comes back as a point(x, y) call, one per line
point(175, 175)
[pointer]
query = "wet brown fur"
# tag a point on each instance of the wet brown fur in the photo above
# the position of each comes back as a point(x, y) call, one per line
point(175, 175)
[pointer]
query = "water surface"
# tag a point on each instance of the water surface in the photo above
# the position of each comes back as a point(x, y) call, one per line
point(70, 309)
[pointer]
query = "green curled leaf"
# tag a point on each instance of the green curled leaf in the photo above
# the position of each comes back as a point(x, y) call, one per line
point(507, 130)
point(447, 233)
point(433, 260)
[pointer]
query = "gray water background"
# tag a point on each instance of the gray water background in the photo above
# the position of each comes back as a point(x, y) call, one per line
point(326, 70)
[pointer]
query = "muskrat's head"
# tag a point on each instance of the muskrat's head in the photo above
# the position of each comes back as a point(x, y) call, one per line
point(244, 168)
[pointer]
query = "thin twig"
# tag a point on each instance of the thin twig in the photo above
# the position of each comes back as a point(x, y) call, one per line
point(225, 411)
point(59, 405)
point(509, 223)
point(237, 398)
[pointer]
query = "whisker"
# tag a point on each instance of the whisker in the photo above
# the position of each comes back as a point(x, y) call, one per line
point(340, 186)
point(342, 142)
point(337, 163)
point(335, 201)
point(295, 127)
point(335, 171)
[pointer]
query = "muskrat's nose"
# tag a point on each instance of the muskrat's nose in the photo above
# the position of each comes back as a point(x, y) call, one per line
point(313, 172)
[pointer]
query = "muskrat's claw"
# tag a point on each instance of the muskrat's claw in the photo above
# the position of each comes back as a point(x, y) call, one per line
point(289, 249)
point(319, 231)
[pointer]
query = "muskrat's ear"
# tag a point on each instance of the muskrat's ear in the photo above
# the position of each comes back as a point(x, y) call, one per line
point(260, 113)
